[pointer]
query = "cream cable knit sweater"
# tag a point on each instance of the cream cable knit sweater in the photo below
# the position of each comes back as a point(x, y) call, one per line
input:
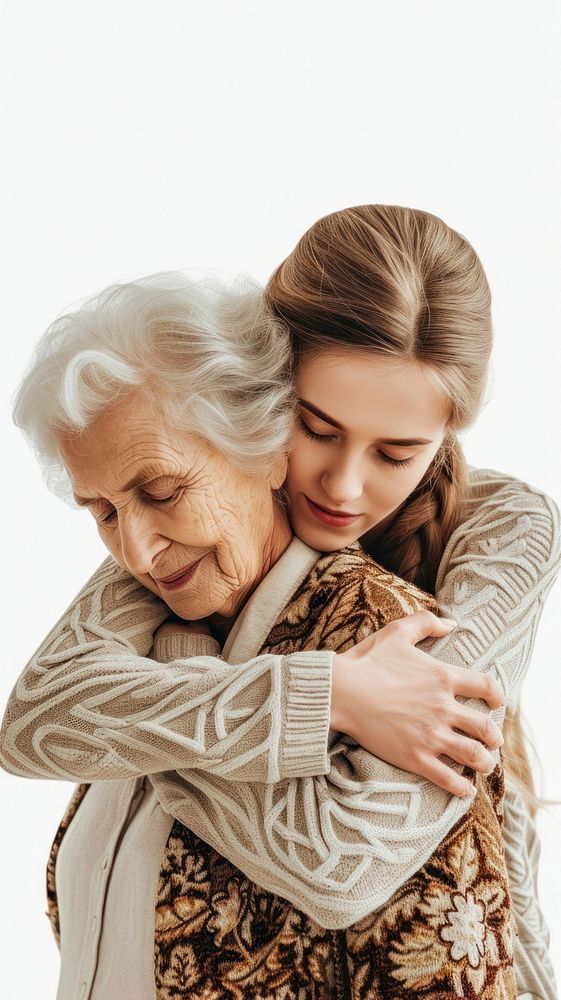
point(494, 576)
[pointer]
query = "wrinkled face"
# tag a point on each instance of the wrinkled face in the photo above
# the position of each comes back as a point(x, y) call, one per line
point(368, 430)
point(168, 505)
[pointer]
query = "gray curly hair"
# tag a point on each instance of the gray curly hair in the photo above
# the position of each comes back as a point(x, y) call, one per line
point(213, 356)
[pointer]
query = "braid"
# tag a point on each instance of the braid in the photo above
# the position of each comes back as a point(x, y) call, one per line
point(412, 544)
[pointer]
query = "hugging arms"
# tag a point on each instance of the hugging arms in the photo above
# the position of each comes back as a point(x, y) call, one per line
point(71, 716)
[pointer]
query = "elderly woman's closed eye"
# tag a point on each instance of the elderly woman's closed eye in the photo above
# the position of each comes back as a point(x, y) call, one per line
point(173, 511)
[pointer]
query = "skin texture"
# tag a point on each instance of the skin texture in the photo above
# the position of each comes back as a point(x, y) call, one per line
point(349, 470)
point(193, 504)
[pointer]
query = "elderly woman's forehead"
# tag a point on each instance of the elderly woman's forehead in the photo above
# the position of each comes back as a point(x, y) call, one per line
point(136, 406)
point(133, 417)
point(128, 434)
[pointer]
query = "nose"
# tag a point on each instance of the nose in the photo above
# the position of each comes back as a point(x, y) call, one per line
point(140, 542)
point(342, 482)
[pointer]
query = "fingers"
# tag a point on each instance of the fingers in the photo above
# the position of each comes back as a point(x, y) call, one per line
point(442, 775)
point(412, 628)
point(464, 750)
point(423, 624)
point(471, 684)
point(478, 725)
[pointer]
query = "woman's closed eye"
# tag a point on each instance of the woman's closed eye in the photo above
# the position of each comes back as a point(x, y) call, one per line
point(107, 514)
point(170, 498)
point(399, 463)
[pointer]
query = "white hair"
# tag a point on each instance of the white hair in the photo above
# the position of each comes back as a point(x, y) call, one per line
point(214, 357)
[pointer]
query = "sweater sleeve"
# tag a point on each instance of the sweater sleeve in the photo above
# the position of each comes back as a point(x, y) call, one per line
point(494, 577)
point(91, 705)
point(340, 845)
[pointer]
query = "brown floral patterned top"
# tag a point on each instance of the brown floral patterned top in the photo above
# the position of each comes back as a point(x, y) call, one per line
point(448, 930)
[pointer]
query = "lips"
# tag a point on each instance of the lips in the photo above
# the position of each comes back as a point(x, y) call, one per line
point(180, 577)
point(335, 513)
point(335, 519)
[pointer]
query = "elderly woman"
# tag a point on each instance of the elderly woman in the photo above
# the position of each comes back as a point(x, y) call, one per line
point(134, 410)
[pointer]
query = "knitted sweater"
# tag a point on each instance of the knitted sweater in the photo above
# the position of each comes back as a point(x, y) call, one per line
point(447, 931)
point(70, 715)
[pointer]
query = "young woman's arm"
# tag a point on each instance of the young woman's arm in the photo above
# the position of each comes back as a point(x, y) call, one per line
point(91, 705)
point(495, 575)
point(69, 715)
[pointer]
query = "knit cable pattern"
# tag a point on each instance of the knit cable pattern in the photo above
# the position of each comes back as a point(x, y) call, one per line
point(312, 837)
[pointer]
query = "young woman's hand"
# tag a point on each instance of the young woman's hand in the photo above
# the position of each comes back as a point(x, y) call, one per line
point(400, 704)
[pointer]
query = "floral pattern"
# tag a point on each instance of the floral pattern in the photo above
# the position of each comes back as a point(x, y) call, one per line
point(466, 928)
point(219, 935)
point(447, 932)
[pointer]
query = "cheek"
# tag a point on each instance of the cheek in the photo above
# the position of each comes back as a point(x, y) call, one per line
point(406, 480)
point(237, 521)
point(196, 521)
point(304, 462)
point(388, 487)
point(112, 542)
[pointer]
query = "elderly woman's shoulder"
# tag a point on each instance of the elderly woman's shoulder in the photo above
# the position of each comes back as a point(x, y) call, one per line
point(354, 580)
point(345, 597)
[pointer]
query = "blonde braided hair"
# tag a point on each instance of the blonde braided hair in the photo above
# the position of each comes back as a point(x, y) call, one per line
point(415, 539)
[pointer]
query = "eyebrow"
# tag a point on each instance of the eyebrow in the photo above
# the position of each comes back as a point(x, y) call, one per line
point(402, 442)
point(142, 478)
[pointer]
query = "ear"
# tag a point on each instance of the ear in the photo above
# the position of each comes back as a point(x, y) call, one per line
point(278, 473)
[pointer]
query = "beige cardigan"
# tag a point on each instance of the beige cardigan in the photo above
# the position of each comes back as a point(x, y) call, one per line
point(493, 578)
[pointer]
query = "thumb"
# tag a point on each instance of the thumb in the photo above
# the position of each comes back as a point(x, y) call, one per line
point(423, 624)
point(442, 626)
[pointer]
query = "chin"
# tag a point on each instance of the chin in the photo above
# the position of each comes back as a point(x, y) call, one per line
point(323, 541)
point(191, 608)
point(188, 608)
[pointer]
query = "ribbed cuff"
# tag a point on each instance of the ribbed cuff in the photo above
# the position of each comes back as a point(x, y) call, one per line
point(304, 736)
point(182, 645)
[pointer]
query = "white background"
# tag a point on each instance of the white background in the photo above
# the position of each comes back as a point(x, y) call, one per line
point(140, 136)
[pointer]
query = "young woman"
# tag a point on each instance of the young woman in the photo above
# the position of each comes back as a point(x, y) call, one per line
point(389, 314)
